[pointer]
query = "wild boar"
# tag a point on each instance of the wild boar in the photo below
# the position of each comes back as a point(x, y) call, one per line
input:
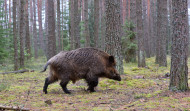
point(83, 63)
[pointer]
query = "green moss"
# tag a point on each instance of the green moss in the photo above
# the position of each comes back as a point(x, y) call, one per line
point(113, 86)
point(140, 83)
point(186, 99)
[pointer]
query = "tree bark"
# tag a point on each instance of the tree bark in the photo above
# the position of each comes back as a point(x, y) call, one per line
point(124, 10)
point(77, 19)
point(162, 33)
point(96, 25)
point(31, 18)
point(141, 52)
point(59, 27)
point(27, 37)
point(21, 33)
point(15, 36)
point(103, 26)
point(179, 51)
point(133, 20)
point(113, 31)
point(39, 4)
point(51, 30)
point(10, 18)
point(86, 30)
point(72, 25)
point(34, 31)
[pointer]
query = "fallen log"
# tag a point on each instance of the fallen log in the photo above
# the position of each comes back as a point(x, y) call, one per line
point(13, 108)
point(19, 71)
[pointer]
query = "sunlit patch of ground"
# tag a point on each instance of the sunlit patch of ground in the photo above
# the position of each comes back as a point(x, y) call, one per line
point(140, 89)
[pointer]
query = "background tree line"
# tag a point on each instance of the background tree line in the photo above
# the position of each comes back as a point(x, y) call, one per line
point(127, 29)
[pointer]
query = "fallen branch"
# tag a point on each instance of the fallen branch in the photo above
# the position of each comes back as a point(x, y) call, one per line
point(19, 71)
point(13, 108)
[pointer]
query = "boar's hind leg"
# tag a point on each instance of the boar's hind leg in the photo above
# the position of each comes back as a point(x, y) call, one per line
point(48, 81)
point(92, 82)
point(63, 84)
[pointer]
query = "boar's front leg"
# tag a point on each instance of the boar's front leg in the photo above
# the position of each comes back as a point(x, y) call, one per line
point(63, 84)
point(92, 82)
point(48, 81)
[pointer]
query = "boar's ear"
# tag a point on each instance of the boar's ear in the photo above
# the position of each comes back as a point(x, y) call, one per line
point(111, 59)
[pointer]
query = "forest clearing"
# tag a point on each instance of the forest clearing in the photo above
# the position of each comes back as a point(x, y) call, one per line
point(140, 89)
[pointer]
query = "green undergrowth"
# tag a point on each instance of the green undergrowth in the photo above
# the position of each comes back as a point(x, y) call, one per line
point(140, 89)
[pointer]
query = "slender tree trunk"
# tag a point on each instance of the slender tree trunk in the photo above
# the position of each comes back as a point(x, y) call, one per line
point(46, 27)
point(162, 33)
point(155, 26)
point(113, 31)
point(179, 51)
point(10, 20)
point(151, 28)
point(77, 19)
point(141, 52)
point(129, 7)
point(31, 18)
point(34, 31)
point(15, 37)
point(86, 30)
point(27, 38)
point(145, 29)
point(103, 26)
point(22, 34)
point(51, 30)
point(96, 25)
point(72, 25)
point(170, 26)
point(124, 10)
point(39, 4)
point(59, 27)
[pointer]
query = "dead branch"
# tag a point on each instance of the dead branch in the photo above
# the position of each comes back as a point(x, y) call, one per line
point(13, 108)
point(19, 71)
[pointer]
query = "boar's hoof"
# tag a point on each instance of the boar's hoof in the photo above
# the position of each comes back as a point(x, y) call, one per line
point(91, 90)
point(45, 91)
point(67, 92)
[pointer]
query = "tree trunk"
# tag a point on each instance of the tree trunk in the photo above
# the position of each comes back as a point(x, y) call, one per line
point(179, 51)
point(59, 27)
point(113, 31)
point(46, 27)
point(10, 18)
point(31, 18)
point(129, 12)
point(96, 25)
point(103, 26)
point(39, 4)
point(124, 10)
point(162, 33)
point(51, 30)
point(86, 30)
point(72, 25)
point(21, 33)
point(154, 14)
point(34, 31)
point(15, 36)
point(145, 29)
point(77, 19)
point(133, 20)
point(27, 43)
point(141, 52)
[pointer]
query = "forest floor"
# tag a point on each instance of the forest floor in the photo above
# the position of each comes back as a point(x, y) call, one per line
point(140, 89)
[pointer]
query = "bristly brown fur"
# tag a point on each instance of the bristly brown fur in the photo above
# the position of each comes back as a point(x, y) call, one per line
point(82, 63)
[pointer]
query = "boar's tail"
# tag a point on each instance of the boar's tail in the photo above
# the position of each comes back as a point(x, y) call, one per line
point(45, 67)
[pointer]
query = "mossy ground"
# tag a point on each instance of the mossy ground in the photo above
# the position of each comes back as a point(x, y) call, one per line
point(140, 89)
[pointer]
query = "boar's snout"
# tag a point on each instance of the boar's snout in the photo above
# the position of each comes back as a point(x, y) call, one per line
point(117, 77)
